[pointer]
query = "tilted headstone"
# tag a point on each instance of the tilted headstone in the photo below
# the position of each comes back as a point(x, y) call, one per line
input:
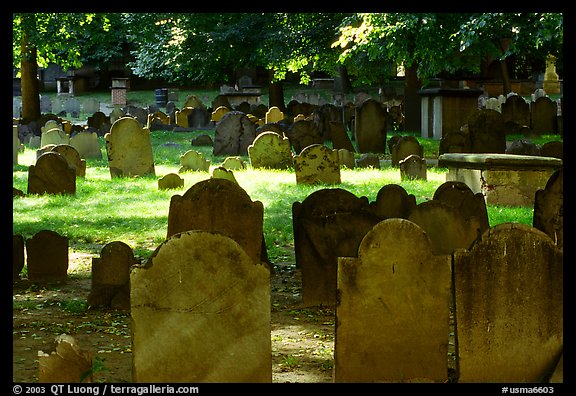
point(370, 129)
point(328, 224)
point(339, 136)
point(193, 160)
point(87, 145)
point(222, 206)
point(201, 313)
point(393, 308)
point(270, 150)
point(509, 306)
point(393, 201)
point(549, 208)
point(170, 181)
point(68, 363)
point(51, 175)
point(303, 134)
point(111, 276)
point(233, 134)
point(129, 149)
point(47, 257)
point(317, 164)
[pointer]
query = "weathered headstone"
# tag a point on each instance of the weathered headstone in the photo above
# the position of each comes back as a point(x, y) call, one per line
point(554, 149)
point(487, 132)
point(317, 164)
point(234, 163)
point(193, 160)
point(404, 147)
point(339, 136)
point(222, 173)
point(509, 306)
point(516, 110)
point(182, 116)
point(549, 208)
point(544, 113)
point(170, 181)
point(111, 276)
point(392, 317)
point(328, 224)
point(90, 105)
point(303, 134)
point(192, 326)
point(72, 157)
point(270, 150)
point(54, 136)
point(68, 363)
point(370, 127)
point(218, 113)
point(87, 145)
point(129, 149)
point(223, 206)
point(47, 257)
point(51, 175)
point(274, 114)
point(413, 167)
point(233, 134)
point(393, 201)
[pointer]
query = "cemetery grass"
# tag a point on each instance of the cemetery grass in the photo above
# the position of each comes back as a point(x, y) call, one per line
point(134, 211)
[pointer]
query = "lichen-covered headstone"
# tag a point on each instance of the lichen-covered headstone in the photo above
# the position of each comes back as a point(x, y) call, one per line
point(129, 149)
point(201, 313)
point(270, 150)
point(317, 164)
point(170, 181)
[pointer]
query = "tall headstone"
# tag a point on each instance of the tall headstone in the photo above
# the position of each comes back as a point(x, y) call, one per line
point(129, 149)
point(47, 257)
point(509, 306)
point(190, 325)
point(392, 317)
point(544, 114)
point(328, 224)
point(370, 130)
point(516, 110)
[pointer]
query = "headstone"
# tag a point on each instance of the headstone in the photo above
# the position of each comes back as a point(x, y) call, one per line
point(47, 257)
point(554, 149)
point(199, 118)
point(404, 147)
point(182, 116)
point(393, 201)
point(370, 130)
point(129, 149)
point(90, 105)
point(339, 136)
point(368, 160)
point(234, 163)
point(72, 107)
point(222, 173)
point(317, 164)
point(18, 258)
point(45, 104)
point(346, 158)
point(140, 113)
point(202, 140)
point(461, 197)
point(487, 132)
point(509, 306)
point(218, 113)
point(193, 160)
point(170, 181)
point(516, 110)
point(54, 136)
point(111, 276)
point(544, 113)
point(233, 134)
point(270, 150)
point(72, 157)
point(447, 228)
point(303, 134)
point(328, 224)
point(68, 363)
point(394, 290)
point(194, 102)
point(549, 208)
point(413, 167)
point(115, 114)
point(274, 114)
point(223, 206)
point(87, 145)
point(182, 313)
point(324, 116)
point(15, 144)
point(51, 175)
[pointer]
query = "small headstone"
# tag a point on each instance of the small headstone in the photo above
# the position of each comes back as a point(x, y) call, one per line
point(68, 363)
point(218, 113)
point(54, 136)
point(47, 257)
point(51, 175)
point(413, 167)
point(182, 313)
point(368, 160)
point(222, 173)
point(270, 150)
point(193, 160)
point(274, 114)
point(111, 276)
point(202, 140)
point(170, 181)
point(404, 147)
point(317, 164)
point(394, 289)
point(129, 149)
point(346, 158)
point(234, 163)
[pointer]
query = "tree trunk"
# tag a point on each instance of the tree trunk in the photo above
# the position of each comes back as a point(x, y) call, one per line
point(343, 82)
point(30, 83)
point(506, 84)
point(412, 101)
point(275, 92)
